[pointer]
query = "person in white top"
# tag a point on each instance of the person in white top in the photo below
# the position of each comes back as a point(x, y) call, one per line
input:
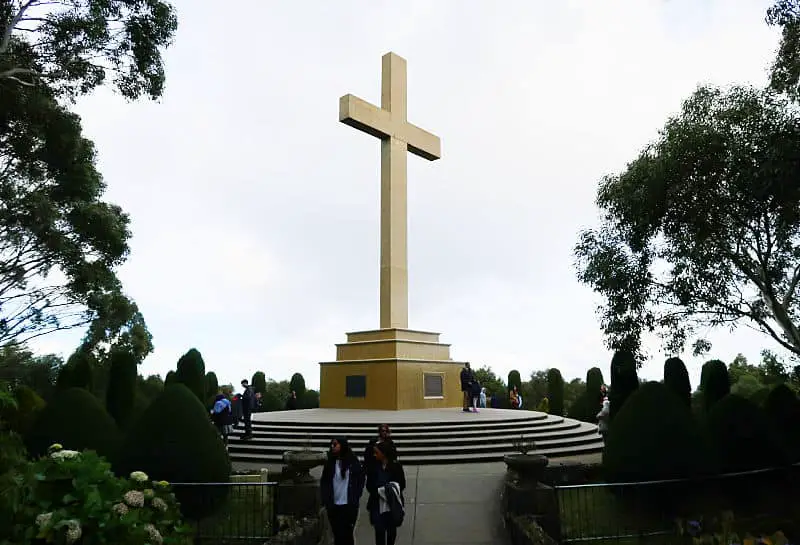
point(341, 487)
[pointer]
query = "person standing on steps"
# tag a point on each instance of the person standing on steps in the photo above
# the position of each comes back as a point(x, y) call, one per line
point(341, 487)
point(384, 434)
point(467, 378)
point(385, 484)
point(248, 405)
point(291, 403)
point(221, 416)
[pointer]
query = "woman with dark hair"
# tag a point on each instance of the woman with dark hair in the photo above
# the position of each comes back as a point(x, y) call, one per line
point(341, 486)
point(386, 482)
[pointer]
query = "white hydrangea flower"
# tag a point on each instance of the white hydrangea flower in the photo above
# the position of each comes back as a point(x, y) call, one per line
point(134, 498)
point(152, 533)
point(54, 447)
point(74, 531)
point(119, 509)
point(43, 519)
point(64, 454)
point(139, 476)
point(160, 505)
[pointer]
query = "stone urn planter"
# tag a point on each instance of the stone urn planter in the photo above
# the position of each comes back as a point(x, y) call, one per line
point(527, 467)
point(299, 463)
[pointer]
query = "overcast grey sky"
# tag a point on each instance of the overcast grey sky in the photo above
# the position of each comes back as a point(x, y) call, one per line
point(255, 212)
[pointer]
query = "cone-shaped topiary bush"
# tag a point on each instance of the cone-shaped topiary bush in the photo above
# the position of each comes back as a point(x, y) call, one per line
point(191, 372)
point(297, 384)
point(555, 391)
point(676, 378)
point(170, 378)
point(782, 408)
point(654, 436)
point(624, 380)
point(121, 392)
point(715, 383)
point(76, 420)
point(174, 440)
point(588, 404)
point(259, 382)
point(741, 437)
point(78, 372)
point(514, 379)
point(212, 384)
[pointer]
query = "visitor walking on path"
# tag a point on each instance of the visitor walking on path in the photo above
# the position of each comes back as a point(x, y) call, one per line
point(385, 484)
point(466, 386)
point(341, 486)
point(248, 405)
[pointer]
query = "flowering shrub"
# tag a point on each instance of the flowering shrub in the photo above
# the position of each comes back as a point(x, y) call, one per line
point(73, 497)
point(719, 530)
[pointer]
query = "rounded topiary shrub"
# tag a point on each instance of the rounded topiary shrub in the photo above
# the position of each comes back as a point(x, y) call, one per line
point(715, 383)
point(514, 379)
point(624, 380)
point(76, 420)
point(191, 372)
point(782, 408)
point(741, 437)
point(555, 391)
point(121, 391)
point(173, 440)
point(676, 378)
point(654, 436)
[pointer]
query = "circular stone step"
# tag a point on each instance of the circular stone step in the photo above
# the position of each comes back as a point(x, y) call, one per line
point(425, 436)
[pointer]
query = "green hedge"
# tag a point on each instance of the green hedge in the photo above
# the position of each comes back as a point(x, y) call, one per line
point(191, 372)
point(77, 420)
point(741, 437)
point(653, 437)
point(174, 440)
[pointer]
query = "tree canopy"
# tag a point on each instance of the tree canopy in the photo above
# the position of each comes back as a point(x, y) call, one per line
point(59, 242)
point(703, 227)
point(785, 72)
point(75, 46)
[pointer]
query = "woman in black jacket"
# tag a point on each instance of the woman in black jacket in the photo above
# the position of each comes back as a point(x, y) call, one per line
point(384, 514)
point(341, 486)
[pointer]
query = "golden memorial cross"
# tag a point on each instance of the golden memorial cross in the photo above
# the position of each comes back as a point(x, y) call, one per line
point(397, 135)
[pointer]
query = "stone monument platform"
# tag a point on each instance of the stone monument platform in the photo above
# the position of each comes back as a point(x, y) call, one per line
point(423, 436)
point(391, 369)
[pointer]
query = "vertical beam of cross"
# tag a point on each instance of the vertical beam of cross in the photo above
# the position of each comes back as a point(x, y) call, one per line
point(389, 123)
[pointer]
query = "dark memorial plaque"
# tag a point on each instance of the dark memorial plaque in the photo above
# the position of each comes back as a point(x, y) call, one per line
point(355, 386)
point(433, 384)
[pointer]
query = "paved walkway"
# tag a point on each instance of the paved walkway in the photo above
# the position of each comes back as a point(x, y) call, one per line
point(455, 504)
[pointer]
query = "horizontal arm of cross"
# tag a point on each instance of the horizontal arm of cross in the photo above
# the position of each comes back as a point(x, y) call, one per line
point(370, 119)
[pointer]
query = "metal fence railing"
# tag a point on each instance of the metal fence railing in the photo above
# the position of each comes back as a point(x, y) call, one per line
point(647, 512)
point(229, 513)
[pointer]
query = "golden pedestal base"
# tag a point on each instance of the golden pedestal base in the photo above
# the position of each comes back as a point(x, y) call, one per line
point(391, 369)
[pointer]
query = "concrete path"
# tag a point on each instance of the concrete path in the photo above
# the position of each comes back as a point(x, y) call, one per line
point(455, 504)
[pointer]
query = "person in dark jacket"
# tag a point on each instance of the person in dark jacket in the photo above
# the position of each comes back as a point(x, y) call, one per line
point(386, 510)
point(291, 403)
point(248, 405)
point(467, 378)
point(341, 486)
point(384, 434)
